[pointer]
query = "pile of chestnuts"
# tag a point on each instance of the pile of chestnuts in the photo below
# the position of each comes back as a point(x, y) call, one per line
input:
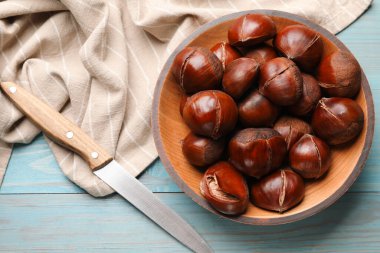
point(265, 108)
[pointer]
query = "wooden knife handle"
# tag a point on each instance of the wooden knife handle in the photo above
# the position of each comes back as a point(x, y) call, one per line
point(56, 126)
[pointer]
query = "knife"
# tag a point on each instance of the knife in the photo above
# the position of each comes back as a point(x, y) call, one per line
point(67, 134)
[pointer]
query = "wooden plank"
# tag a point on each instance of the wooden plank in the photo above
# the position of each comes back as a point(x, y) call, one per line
point(80, 223)
point(33, 169)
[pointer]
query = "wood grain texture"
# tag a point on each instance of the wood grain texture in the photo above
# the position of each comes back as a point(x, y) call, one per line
point(169, 129)
point(33, 169)
point(80, 223)
point(56, 126)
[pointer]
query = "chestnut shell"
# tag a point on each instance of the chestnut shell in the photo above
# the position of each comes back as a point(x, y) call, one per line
point(250, 30)
point(257, 151)
point(210, 113)
point(239, 76)
point(281, 81)
point(279, 191)
point(337, 120)
point(310, 157)
point(339, 75)
point(225, 53)
point(301, 45)
point(196, 69)
point(262, 54)
point(202, 151)
point(292, 129)
point(255, 110)
point(225, 189)
point(311, 93)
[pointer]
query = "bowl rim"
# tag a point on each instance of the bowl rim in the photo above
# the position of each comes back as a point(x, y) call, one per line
point(261, 221)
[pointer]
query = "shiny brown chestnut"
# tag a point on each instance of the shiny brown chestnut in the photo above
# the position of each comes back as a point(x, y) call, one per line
point(262, 54)
point(337, 120)
point(339, 75)
point(257, 151)
point(225, 189)
point(210, 113)
point(196, 69)
point(310, 157)
point(202, 151)
point(279, 191)
point(225, 53)
point(301, 45)
point(250, 30)
point(311, 93)
point(239, 76)
point(255, 110)
point(292, 129)
point(281, 81)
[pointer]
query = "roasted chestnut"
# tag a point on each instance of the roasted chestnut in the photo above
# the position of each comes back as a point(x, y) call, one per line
point(225, 53)
point(311, 93)
point(339, 75)
point(257, 111)
point(281, 81)
point(292, 129)
point(257, 151)
point(250, 30)
point(239, 76)
point(301, 45)
point(310, 157)
point(337, 120)
point(279, 191)
point(225, 189)
point(196, 69)
point(182, 103)
point(262, 54)
point(202, 151)
point(210, 113)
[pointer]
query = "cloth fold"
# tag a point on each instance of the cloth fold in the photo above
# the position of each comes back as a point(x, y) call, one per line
point(97, 63)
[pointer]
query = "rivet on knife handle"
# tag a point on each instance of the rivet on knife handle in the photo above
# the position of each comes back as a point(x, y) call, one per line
point(56, 126)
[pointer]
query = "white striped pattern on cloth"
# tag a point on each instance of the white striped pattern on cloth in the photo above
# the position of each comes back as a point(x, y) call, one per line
point(97, 62)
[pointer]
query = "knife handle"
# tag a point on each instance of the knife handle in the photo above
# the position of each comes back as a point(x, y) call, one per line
point(56, 126)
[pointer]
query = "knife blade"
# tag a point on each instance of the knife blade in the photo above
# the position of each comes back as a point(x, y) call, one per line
point(67, 134)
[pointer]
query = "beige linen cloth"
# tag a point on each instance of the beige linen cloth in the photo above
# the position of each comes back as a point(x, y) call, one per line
point(97, 62)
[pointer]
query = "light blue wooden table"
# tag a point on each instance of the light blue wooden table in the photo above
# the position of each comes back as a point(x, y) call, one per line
point(41, 211)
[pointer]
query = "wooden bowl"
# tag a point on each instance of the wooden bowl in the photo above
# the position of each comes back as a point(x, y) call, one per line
point(169, 129)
